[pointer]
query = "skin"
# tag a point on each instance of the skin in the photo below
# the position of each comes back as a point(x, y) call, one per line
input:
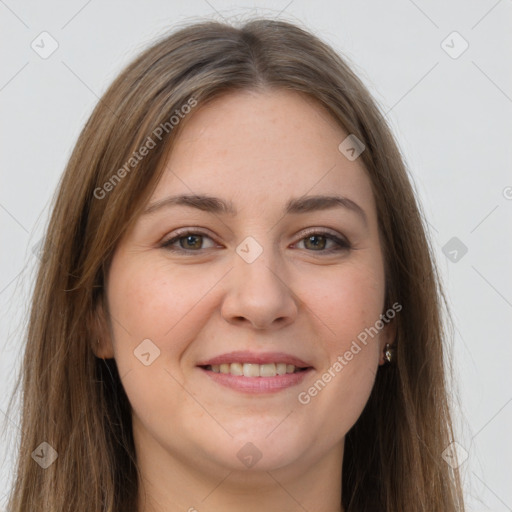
point(257, 149)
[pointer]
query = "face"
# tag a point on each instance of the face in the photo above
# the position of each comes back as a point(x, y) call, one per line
point(268, 279)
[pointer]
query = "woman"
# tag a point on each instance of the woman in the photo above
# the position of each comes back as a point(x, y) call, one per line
point(237, 307)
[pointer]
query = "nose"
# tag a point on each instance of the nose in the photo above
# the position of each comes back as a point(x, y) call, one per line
point(259, 294)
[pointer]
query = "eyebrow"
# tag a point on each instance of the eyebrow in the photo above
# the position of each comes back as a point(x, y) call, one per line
point(303, 204)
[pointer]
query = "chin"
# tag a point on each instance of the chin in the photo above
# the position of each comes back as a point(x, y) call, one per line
point(258, 450)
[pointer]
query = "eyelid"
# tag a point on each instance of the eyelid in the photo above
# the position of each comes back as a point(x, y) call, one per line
point(340, 240)
point(182, 232)
point(322, 231)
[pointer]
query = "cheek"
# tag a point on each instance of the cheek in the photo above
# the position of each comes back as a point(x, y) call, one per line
point(151, 299)
point(143, 306)
point(349, 305)
point(349, 301)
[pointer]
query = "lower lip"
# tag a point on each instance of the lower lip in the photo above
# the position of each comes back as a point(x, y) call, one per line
point(258, 384)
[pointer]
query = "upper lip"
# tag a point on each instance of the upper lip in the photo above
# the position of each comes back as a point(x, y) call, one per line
point(240, 356)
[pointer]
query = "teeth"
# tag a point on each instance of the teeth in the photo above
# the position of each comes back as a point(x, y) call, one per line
point(254, 370)
point(236, 369)
point(281, 368)
point(268, 370)
point(251, 370)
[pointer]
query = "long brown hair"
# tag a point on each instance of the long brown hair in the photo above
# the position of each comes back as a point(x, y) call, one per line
point(75, 402)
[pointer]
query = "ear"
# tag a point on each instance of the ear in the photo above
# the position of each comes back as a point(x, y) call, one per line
point(387, 335)
point(101, 338)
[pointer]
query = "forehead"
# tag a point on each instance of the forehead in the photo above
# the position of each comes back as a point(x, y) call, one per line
point(261, 148)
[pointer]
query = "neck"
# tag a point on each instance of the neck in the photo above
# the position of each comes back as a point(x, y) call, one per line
point(174, 485)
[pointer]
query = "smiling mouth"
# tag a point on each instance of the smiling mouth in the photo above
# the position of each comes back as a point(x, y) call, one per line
point(254, 370)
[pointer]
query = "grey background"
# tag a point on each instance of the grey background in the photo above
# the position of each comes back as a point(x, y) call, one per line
point(451, 117)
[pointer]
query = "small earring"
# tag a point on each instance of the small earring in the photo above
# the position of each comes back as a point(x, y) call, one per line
point(389, 353)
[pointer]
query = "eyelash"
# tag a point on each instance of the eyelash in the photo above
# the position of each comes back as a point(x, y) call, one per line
point(343, 245)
